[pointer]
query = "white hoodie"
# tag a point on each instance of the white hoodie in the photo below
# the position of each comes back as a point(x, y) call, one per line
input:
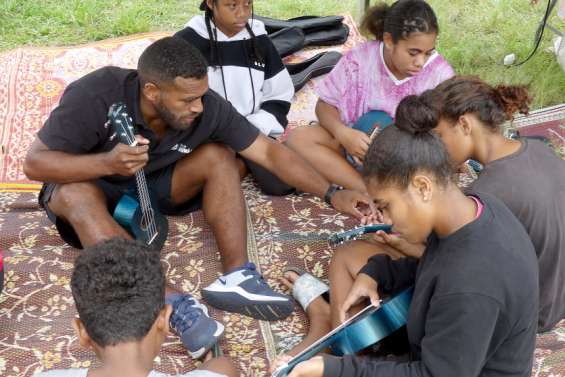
point(271, 83)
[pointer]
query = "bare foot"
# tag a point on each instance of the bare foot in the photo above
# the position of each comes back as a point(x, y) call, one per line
point(319, 315)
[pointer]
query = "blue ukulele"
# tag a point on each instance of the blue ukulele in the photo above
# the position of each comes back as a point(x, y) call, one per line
point(135, 212)
point(369, 326)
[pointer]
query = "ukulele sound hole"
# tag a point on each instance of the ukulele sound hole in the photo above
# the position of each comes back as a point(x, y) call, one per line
point(145, 221)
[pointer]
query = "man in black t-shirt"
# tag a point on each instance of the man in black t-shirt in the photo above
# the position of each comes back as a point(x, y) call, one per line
point(187, 136)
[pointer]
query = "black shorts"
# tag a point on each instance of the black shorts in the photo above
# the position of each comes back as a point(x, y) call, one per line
point(159, 184)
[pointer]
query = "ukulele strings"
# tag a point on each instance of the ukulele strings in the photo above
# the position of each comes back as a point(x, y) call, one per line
point(142, 191)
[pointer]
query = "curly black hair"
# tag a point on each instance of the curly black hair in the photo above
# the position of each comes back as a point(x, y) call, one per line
point(169, 58)
point(119, 289)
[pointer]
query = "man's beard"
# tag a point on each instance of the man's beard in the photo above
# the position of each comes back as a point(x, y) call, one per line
point(170, 119)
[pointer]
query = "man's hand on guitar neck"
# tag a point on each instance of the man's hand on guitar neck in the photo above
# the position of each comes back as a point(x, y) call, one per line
point(126, 160)
point(364, 287)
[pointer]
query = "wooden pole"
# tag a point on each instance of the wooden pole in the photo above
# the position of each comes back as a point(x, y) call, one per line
point(362, 6)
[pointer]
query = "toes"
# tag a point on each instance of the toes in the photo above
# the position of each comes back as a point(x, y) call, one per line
point(291, 276)
point(287, 283)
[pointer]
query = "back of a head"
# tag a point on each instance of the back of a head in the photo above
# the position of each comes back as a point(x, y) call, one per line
point(493, 105)
point(169, 58)
point(417, 113)
point(397, 154)
point(119, 289)
point(400, 19)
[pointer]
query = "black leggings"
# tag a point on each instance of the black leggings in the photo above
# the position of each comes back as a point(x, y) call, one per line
point(269, 183)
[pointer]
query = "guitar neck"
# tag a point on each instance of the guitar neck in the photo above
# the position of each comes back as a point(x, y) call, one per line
point(148, 216)
point(123, 123)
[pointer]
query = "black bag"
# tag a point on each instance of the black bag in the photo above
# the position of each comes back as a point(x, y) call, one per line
point(308, 24)
point(288, 40)
point(291, 35)
point(317, 65)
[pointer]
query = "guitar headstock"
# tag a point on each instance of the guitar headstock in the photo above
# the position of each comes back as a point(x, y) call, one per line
point(122, 122)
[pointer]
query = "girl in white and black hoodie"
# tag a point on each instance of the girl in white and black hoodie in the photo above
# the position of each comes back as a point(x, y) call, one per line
point(245, 69)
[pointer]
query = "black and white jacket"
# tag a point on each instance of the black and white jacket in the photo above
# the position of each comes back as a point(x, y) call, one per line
point(271, 83)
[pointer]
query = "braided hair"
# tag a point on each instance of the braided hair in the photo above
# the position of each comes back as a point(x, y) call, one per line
point(400, 19)
point(254, 55)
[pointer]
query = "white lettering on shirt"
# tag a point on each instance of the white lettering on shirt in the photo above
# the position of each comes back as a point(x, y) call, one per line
point(181, 148)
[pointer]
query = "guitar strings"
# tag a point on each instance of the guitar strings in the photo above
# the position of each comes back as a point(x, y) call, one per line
point(142, 191)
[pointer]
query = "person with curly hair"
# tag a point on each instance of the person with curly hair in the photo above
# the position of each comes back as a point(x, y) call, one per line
point(526, 174)
point(119, 291)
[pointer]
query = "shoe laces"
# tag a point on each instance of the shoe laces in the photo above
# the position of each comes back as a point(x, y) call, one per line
point(251, 270)
point(185, 313)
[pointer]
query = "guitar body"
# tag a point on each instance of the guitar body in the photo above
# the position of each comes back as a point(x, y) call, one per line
point(366, 328)
point(355, 233)
point(375, 326)
point(129, 215)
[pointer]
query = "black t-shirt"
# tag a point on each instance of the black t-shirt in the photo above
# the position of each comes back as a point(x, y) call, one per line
point(79, 124)
point(474, 309)
point(531, 182)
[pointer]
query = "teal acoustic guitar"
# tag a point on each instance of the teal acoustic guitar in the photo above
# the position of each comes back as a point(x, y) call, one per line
point(369, 326)
point(135, 211)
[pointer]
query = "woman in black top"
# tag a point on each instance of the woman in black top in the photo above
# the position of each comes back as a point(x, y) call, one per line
point(525, 174)
point(474, 309)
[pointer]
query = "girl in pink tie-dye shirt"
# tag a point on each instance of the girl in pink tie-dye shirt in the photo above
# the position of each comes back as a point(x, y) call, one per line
point(376, 75)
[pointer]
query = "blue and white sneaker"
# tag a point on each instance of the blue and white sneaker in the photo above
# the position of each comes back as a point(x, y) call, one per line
point(189, 319)
point(244, 291)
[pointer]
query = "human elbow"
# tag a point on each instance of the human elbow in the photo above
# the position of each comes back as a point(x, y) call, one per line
point(32, 168)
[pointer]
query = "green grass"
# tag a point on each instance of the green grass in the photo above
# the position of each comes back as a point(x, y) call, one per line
point(475, 34)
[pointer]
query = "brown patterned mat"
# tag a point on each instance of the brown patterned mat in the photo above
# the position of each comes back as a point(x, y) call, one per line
point(36, 306)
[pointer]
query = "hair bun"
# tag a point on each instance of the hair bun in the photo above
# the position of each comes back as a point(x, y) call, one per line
point(415, 115)
point(513, 98)
point(203, 5)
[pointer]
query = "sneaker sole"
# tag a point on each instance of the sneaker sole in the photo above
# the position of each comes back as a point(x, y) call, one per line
point(267, 310)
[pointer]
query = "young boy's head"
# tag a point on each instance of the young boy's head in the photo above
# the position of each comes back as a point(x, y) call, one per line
point(119, 290)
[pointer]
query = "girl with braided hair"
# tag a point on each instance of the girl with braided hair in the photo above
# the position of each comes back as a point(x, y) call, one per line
point(245, 69)
point(370, 80)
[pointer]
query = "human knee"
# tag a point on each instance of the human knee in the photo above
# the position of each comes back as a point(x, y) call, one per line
point(300, 137)
point(74, 195)
point(339, 258)
point(218, 156)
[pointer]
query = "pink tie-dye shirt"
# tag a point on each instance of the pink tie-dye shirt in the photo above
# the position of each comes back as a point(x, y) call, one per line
point(361, 82)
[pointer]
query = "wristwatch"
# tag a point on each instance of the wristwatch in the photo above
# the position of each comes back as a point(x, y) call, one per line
point(330, 192)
